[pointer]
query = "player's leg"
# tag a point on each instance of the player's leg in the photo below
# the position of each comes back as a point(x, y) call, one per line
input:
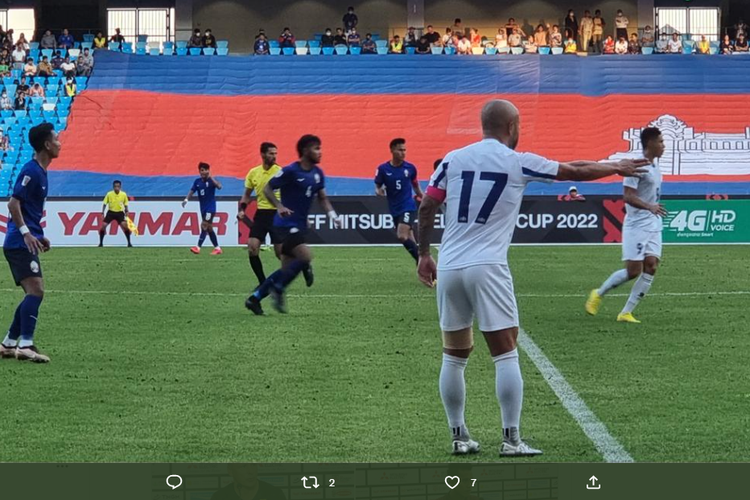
point(253, 250)
point(126, 230)
point(456, 317)
point(406, 235)
point(29, 314)
point(202, 237)
point(212, 236)
point(494, 302)
point(297, 260)
point(650, 253)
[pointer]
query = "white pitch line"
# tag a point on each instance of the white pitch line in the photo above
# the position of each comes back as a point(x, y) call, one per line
point(595, 430)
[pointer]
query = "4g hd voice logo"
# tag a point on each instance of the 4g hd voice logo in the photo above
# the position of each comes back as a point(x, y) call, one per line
point(700, 221)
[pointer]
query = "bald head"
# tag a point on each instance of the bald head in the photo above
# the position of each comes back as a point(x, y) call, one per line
point(500, 120)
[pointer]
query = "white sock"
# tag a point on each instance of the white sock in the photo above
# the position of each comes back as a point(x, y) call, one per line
point(615, 279)
point(509, 385)
point(25, 343)
point(9, 342)
point(640, 289)
point(453, 394)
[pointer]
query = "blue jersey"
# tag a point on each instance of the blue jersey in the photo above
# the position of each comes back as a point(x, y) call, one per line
point(297, 187)
point(31, 191)
point(206, 194)
point(398, 186)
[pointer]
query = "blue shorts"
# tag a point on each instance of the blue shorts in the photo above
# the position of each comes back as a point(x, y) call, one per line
point(409, 218)
point(23, 264)
point(207, 216)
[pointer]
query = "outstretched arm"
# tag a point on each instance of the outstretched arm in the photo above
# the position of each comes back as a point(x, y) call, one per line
point(591, 170)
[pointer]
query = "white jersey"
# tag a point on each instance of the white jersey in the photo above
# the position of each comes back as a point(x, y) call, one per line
point(648, 189)
point(482, 185)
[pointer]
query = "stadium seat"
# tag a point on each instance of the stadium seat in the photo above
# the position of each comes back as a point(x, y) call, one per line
point(222, 51)
point(53, 81)
point(34, 54)
point(49, 116)
point(20, 113)
point(222, 44)
point(140, 44)
point(141, 51)
point(8, 80)
point(154, 51)
point(168, 47)
point(114, 46)
point(47, 52)
point(11, 89)
point(6, 113)
point(647, 51)
point(142, 38)
point(382, 51)
point(273, 43)
point(315, 51)
point(376, 36)
point(713, 48)
point(450, 50)
point(288, 51)
point(181, 44)
point(490, 51)
point(544, 51)
point(88, 38)
point(47, 106)
point(87, 45)
point(313, 43)
point(37, 102)
point(516, 50)
point(436, 50)
point(275, 51)
point(209, 51)
point(328, 51)
point(182, 51)
point(556, 51)
point(411, 50)
point(53, 91)
point(300, 43)
point(16, 74)
point(127, 48)
point(65, 101)
point(341, 50)
point(477, 51)
point(355, 51)
point(381, 43)
point(34, 46)
point(195, 51)
point(81, 82)
point(301, 51)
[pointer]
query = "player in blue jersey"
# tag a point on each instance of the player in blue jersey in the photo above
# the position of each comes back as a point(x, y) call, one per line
point(206, 187)
point(298, 184)
point(25, 241)
point(397, 180)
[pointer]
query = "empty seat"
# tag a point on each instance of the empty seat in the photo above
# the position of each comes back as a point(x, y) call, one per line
point(87, 45)
point(355, 51)
point(182, 51)
point(181, 44)
point(313, 43)
point(544, 51)
point(88, 38)
point(222, 44)
point(490, 51)
point(516, 50)
point(195, 51)
point(114, 46)
point(301, 51)
point(288, 51)
point(300, 43)
point(47, 52)
point(209, 51)
point(315, 51)
point(275, 51)
point(222, 51)
point(341, 50)
point(154, 51)
point(328, 51)
point(381, 43)
point(436, 49)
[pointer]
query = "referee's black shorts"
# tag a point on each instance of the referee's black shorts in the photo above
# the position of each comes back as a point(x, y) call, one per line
point(114, 216)
point(263, 225)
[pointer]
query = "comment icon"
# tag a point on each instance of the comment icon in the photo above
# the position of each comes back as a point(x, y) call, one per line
point(174, 481)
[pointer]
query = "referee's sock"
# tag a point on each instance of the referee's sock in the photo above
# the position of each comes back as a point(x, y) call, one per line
point(202, 238)
point(101, 236)
point(257, 265)
point(214, 239)
point(29, 314)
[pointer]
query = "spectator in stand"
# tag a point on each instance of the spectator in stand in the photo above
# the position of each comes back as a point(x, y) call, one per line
point(741, 44)
point(117, 37)
point(340, 38)
point(4, 142)
point(432, 36)
point(48, 41)
point(586, 30)
point(196, 40)
point(71, 89)
point(85, 63)
point(22, 86)
point(457, 28)
point(261, 46)
point(209, 40)
point(36, 91)
point(368, 45)
point(510, 26)
point(423, 46)
point(726, 47)
point(501, 39)
point(464, 45)
point(19, 57)
point(45, 68)
point(66, 40)
point(573, 195)
point(5, 64)
point(633, 46)
point(530, 46)
point(703, 47)
point(19, 104)
point(675, 44)
point(609, 45)
point(475, 39)
point(100, 41)
point(740, 29)
point(570, 45)
point(5, 102)
point(353, 39)
point(661, 44)
point(448, 40)
point(350, 20)
point(411, 38)
point(286, 39)
point(2, 34)
point(68, 68)
point(57, 60)
point(541, 36)
point(555, 37)
point(30, 68)
point(621, 23)
point(515, 40)
point(23, 42)
point(327, 39)
point(598, 33)
point(397, 45)
point(647, 40)
point(621, 47)
point(261, 32)
point(8, 42)
point(571, 27)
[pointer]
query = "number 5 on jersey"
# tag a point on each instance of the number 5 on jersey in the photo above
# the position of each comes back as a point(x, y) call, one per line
point(467, 177)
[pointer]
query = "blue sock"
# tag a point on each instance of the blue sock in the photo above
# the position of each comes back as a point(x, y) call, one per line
point(412, 248)
point(201, 239)
point(292, 271)
point(214, 239)
point(265, 288)
point(15, 328)
point(29, 314)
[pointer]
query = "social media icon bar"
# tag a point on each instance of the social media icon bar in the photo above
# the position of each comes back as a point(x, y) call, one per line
point(174, 481)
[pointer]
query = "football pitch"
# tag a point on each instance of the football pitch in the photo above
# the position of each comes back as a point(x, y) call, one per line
point(155, 358)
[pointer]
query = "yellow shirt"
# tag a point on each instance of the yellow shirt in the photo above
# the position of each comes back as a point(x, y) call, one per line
point(256, 179)
point(116, 202)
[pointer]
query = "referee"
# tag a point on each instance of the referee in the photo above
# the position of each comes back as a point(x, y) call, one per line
point(115, 208)
point(256, 180)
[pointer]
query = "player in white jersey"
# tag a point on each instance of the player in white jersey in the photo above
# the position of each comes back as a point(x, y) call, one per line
point(641, 231)
point(482, 186)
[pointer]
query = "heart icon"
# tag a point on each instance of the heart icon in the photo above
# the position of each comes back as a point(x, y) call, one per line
point(452, 479)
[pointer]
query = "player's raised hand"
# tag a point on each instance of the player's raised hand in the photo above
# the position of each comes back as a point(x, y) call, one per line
point(34, 245)
point(632, 168)
point(45, 243)
point(284, 212)
point(427, 270)
point(658, 209)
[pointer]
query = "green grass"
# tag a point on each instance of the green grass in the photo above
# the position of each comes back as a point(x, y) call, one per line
point(154, 358)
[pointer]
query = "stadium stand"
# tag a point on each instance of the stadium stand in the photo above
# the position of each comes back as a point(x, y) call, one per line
point(143, 120)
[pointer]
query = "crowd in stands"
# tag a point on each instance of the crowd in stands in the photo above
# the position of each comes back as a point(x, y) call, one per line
point(589, 34)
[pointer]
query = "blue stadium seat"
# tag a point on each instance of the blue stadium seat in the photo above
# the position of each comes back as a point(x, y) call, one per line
point(315, 51)
point(11, 89)
point(181, 44)
point(8, 80)
point(6, 113)
point(341, 50)
point(50, 115)
point(182, 51)
point(87, 45)
point(222, 51)
point(34, 45)
point(490, 51)
point(34, 54)
point(54, 81)
point(355, 51)
point(647, 51)
point(300, 43)
point(376, 36)
point(327, 51)
point(154, 51)
point(436, 50)
point(140, 51)
point(411, 50)
point(142, 39)
point(82, 82)
point(52, 91)
point(168, 47)
point(288, 51)
point(37, 102)
point(209, 51)
point(141, 45)
point(195, 51)
point(382, 50)
point(127, 48)
point(114, 46)
point(544, 51)
point(556, 51)
point(47, 52)
point(88, 38)
point(222, 44)
point(313, 43)
point(273, 43)
point(20, 113)
point(64, 101)
point(381, 43)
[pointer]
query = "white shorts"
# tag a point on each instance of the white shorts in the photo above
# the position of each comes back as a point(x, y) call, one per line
point(637, 244)
point(484, 291)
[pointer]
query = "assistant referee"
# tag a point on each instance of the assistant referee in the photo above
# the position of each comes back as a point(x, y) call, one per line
point(115, 209)
point(256, 180)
